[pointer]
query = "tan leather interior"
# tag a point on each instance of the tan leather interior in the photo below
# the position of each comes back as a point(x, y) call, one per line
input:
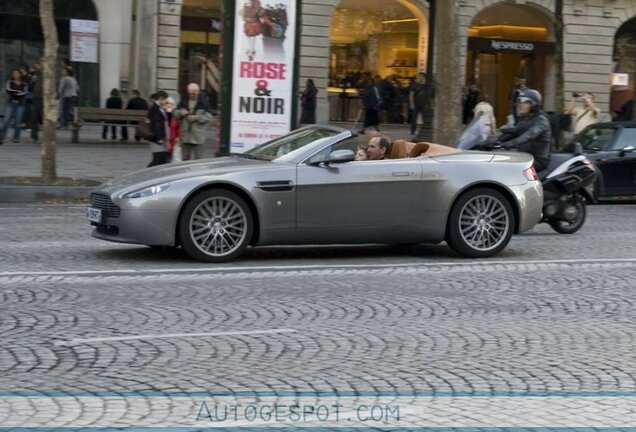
point(401, 149)
point(437, 150)
point(419, 149)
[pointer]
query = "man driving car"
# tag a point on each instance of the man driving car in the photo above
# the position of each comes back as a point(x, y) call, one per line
point(378, 148)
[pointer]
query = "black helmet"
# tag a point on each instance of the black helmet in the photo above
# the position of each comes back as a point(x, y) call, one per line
point(532, 95)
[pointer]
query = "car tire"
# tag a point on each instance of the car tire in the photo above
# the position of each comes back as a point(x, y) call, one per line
point(480, 224)
point(216, 225)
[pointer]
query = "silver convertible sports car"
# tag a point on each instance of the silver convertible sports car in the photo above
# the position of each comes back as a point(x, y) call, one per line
point(306, 188)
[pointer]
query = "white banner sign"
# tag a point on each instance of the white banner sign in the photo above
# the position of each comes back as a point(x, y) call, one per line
point(262, 82)
point(84, 40)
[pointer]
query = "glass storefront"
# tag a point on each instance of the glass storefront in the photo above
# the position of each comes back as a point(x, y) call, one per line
point(21, 41)
point(371, 38)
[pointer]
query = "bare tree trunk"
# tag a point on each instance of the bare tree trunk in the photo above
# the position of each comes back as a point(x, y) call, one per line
point(49, 114)
point(448, 84)
point(558, 14)
point(559, 102)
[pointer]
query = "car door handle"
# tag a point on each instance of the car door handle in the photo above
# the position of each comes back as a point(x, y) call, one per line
point(401, 174)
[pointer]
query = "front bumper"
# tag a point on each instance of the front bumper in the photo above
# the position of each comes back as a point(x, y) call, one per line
point(140, 221)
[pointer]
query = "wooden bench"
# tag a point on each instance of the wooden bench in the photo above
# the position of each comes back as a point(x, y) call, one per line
point(104, 117)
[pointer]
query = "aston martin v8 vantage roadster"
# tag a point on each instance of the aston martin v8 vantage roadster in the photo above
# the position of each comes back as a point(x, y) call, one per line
point(306, 188)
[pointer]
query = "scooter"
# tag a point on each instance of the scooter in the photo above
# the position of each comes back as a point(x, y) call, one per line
point(568, 181)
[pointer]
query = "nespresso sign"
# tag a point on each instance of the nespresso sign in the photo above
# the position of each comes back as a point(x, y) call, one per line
point(510, 46)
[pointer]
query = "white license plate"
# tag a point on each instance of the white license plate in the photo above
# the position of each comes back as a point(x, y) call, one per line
point(94, 214)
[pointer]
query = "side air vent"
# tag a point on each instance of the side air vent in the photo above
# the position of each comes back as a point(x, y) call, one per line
point(275, 186)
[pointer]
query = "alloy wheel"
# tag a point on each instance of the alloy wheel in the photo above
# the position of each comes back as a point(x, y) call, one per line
point(484, 222)
point(218, 226)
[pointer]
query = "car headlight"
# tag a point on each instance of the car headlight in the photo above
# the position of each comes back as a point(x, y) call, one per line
point(149, 191)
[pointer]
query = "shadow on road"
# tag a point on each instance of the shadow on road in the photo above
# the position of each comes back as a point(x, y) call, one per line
point(295, 254)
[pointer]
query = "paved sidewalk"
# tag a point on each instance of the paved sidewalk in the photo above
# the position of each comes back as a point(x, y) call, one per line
point(94, 159)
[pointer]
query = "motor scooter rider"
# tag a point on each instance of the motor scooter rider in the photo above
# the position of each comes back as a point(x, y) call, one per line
point(531, 133)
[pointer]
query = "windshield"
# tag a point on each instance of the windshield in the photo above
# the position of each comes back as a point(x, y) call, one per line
point(595, 139)
point(475, 133)
point(289, 143)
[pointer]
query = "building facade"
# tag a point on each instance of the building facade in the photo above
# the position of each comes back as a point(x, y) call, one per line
point(150, 45)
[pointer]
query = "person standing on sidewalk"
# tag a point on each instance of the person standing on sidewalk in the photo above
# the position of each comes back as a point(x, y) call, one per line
point(584, 115)
point(159, 128)
point(37, 102)
point(308, 103)
point(136, 103)
point(193, 113)
point(16, 91)
point(69, 92)
point(114, 102)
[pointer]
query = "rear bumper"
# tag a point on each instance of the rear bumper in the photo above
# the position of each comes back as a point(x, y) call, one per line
point(530, 201)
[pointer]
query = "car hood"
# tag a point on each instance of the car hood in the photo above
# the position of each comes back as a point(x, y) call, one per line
point(183, 170)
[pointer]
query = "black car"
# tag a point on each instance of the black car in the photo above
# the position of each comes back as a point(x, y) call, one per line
point(612, 148)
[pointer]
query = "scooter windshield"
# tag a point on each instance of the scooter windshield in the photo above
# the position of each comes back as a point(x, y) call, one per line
point(475, 133)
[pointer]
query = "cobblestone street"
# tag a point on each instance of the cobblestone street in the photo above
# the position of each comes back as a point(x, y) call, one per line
point(93, 320)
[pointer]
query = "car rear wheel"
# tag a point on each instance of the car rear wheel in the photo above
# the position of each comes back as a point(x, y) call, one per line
point(216, 226)
point(480, 224)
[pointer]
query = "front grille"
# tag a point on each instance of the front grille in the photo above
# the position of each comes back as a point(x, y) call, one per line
point(103, 201)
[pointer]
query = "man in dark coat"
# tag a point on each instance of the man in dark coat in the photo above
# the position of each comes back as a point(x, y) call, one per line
point(136, 103)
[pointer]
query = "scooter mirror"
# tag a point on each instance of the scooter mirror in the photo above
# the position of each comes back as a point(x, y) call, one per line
point(578, 149)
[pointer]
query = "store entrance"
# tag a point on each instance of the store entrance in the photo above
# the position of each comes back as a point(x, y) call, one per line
point(507, 44)
point(200, 39)
point(498, 74)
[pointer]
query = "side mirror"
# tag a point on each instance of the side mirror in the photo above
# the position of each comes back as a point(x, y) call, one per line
point(578, 149)
point(341, 156)
point(626, 150)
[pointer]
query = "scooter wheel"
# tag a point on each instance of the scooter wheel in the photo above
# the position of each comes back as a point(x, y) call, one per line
point(565, 227)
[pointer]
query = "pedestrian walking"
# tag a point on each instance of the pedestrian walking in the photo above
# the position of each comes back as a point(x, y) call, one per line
point(193, 113)
point(16, 90)
point(418, 101)
point(372, 102)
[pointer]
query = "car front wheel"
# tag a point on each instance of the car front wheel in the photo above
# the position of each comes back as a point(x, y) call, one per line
point(481, 223)
point(216, 226)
